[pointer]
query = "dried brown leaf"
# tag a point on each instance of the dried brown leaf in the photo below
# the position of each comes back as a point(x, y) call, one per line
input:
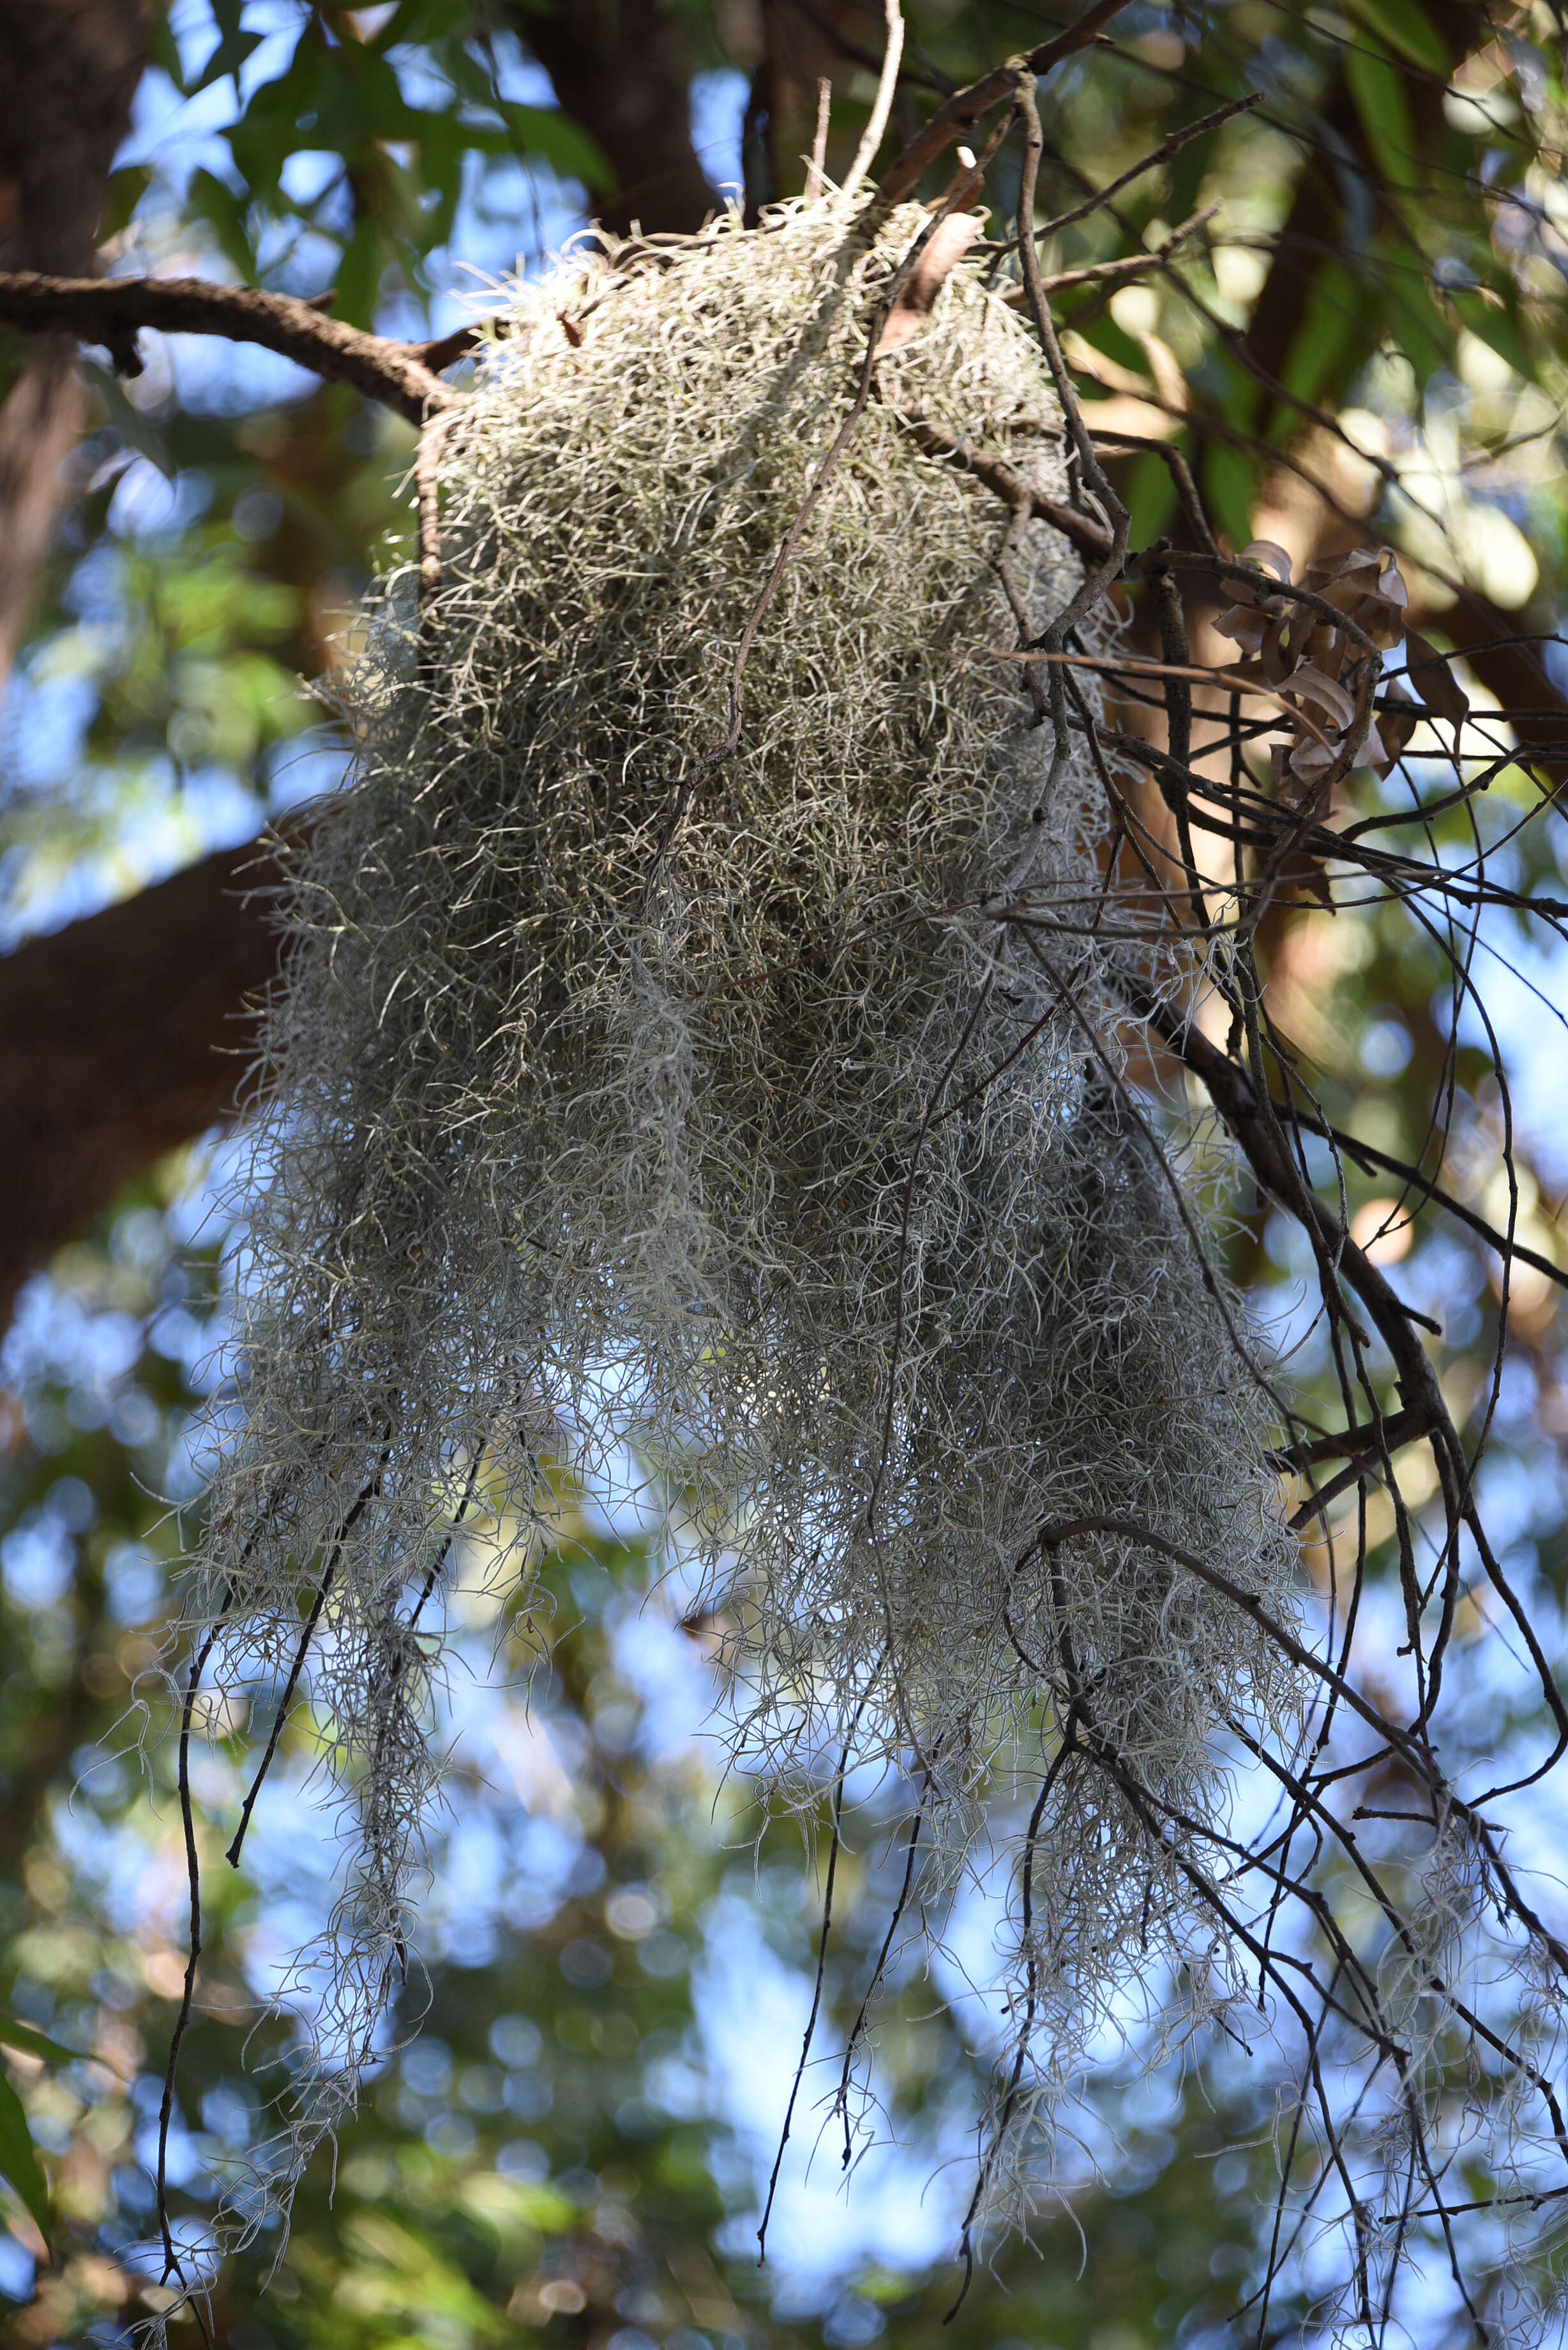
point(1434, 680)
point(949, 241)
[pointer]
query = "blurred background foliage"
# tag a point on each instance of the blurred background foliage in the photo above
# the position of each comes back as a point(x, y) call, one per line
point(1368, 334)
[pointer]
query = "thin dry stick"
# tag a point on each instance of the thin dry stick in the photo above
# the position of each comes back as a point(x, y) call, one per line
point(1164, 153)
point(1092, 475)
point(193, 1874)
point(833, 1852)
point(871, 139)
point(878, 1971)
point(1131, 264)
point(1121, 665)
point(1026, 1874)
point(817, 177)
point(1081, 530)
point(307, 1634)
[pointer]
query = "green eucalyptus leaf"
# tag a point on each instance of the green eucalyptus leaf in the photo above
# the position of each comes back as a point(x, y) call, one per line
point(1494, 320)
point(540, 131)
point(138, 432)
point(16, 2035)
point(18, 2162)
point(1406, 27)
point(1230, 487)
point(125, 191)
point(163, 51)
point(1377, 88)
point(359, 276)
point(1327, 346)
point(233, 46)
point(226, 214)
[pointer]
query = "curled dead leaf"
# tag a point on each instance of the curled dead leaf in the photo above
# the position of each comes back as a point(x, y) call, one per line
point(1325, 693)
point(1434, 680)
point(1269, 556)
point(1367, 586)
point(949, 241)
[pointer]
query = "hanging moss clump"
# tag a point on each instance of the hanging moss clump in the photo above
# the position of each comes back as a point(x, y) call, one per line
point(760, 1117)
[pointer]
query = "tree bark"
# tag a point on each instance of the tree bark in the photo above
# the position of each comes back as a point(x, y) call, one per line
point(69, 70)
point(124, 1036)
point(624, 73)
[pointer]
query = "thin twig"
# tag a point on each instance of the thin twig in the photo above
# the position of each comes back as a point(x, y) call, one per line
point(193, 1874)
point(878, 1971)
point(816, 175)
point(968, 107)
point(1131, 264)
point(1079, 529)
point(371, 1487)
point(833, 1853)
point(1165, 152)
point(1091, 473)
point(871, 138)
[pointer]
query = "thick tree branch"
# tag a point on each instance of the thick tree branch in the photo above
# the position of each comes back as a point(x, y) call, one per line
point(124, 1036)
point(111, 311)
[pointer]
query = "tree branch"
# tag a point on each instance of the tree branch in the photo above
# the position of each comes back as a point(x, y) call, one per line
point(112, 310)
point(124, 1036)
point(1091, 538)
point(968, 107)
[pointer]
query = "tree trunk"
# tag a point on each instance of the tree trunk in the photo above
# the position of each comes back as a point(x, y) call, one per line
point(69, 70)
point(124, 1034)
point(624, 73)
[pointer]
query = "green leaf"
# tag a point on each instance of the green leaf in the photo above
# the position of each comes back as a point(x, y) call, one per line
point(1150, 496)
point(138, 432)
point(1420, 323)
point(1404, 26)
point(1494, 322)
point(14, 2035)
point(540, 131)
point(1378, 90)
point(1230, 485)
point(227, 215)
point(19, 2163)
point(359, 276)
point(164, 50)
point(1326, 347)
point(234, 45)
point(424, 20)
point(123, 194)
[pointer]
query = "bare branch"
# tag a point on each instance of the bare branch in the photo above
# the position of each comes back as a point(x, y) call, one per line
point(114, 310)
point(971, 106)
